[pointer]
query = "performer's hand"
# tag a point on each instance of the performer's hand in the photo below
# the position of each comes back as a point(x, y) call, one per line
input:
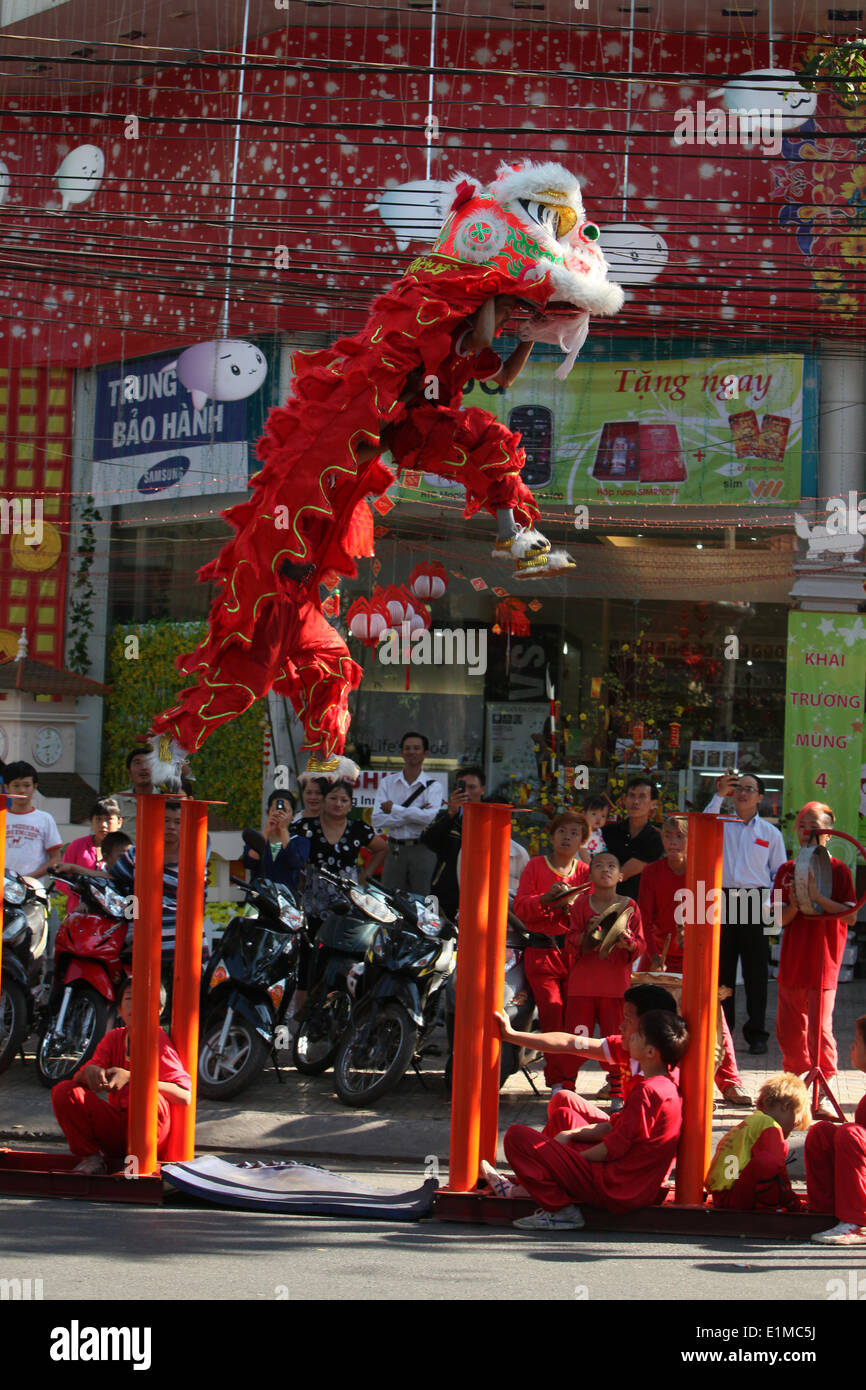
point(557, 890)
point(116, 1079)
point(96, 1078)
point(504, 1024)
point(656, 963)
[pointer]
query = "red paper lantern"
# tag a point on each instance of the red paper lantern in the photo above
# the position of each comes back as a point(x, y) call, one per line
point(428, 581)
point(366, 621)
point(675, 736)
point(511, 615)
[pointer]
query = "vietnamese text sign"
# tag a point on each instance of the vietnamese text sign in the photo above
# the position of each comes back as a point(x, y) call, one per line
point(824, 714)
point(695, 430)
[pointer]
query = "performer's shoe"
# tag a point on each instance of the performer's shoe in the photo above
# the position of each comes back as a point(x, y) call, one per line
point(567, 1219)
point(166, 762)
point(525, 541)
point(335, 769)
point(546, 562)
point(846, 1233)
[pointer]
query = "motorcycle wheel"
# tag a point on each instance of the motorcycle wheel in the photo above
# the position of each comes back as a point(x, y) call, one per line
point(220, 1078)
point(58, 1059)
point(13, 1023)
point(374, 1055)
point(318, 1038)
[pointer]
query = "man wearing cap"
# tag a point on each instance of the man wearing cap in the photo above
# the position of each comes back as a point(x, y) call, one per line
point(754, 851)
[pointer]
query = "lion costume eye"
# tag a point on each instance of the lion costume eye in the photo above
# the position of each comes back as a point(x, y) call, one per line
point(543, 214)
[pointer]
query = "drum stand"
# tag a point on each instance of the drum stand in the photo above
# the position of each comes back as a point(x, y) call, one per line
point(815, 1077)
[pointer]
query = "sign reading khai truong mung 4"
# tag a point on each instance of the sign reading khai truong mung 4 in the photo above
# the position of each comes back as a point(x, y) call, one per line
point(824, 715)
point(695, 430)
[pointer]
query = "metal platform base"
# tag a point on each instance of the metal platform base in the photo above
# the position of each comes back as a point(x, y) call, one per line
point(666, 1219)
point(34, 1173)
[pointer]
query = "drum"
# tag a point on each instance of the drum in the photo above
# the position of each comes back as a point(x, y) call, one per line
point(674, 985)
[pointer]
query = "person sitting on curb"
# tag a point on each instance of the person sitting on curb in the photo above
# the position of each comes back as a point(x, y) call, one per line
point(97, 1128)
point(749, 1171)
point(836, 1165)
point(622, 1169)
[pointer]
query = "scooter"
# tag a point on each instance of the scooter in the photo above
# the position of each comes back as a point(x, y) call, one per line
point(342, 941)
point(398, 996)
point(89, 975)
point(25, 939)
point(247, 988)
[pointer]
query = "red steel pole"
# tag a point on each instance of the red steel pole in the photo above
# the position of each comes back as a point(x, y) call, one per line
point(146, 958)
point(470, 1000)
point(700, 1002)
point(494, 988)
point(186, 989)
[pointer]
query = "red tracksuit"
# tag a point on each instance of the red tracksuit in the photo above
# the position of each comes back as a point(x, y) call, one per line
point(836, 1168)
point(546, 970)
point(641, 1148)
point(812, 950)
point(93, 1125)
point(596, 986)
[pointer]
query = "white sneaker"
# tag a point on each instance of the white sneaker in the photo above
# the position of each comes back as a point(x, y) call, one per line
point(499, 1186)
point(846, 1233)
point(567, 1219)
point(524, 542)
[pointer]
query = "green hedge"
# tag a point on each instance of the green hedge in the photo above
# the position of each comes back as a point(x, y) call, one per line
point(229, 766)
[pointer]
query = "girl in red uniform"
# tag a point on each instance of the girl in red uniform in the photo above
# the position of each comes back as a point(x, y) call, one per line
point(836, 1165)
point(620, 1164)
point(661, 915)
point(596, 987)
point(543, 882)
point(749, 1171)
point(812, 949)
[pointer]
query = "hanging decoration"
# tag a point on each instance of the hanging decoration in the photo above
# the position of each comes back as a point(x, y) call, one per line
point(366, 620)
point(80, 175)
point(428, 581)
point(226, 369)
point(512, 618)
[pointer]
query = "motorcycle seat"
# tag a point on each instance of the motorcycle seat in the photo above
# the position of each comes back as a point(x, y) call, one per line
point(349, 934)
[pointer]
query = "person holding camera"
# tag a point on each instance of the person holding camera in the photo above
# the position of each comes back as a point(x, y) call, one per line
point(754, 851)
point(445, 837)
point(285, 850)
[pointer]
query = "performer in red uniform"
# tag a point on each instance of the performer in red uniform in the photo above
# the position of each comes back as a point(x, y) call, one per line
point(620, 1164)
point(395, 384)
point(540, 906)
point(749, 1170)
point(812, 949)
point(596, 986)
point(96, 1129)
point(836, 1165)
point(662, 916)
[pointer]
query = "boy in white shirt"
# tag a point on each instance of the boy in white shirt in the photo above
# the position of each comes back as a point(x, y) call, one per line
point(33, 843)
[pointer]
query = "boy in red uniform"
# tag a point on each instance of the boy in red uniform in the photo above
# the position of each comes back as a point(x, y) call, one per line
point(597, 985)
point(836, 1165)
point(662, 914)
point(619, 1165)
point(812, 949)
point(749, 1171)
point(96, 1128)
point(542, 908)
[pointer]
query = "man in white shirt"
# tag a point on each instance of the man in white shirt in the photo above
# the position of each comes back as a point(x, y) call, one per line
point(406, 803)
point(754, 850)
point(33, 843)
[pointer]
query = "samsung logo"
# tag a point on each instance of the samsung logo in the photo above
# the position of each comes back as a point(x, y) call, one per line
point(163, 474)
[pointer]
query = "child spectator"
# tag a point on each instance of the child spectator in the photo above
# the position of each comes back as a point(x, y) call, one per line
point(836, 1165)
point(96, 1129)
point(33, 844)
point(661, 916)
point(114, 845)
point(281, 852)
point(86, 852)
point(542, 908)
point(596, 984)
point(749, 1168)
point(622, 1169)
point(812, 949)
point(595, 811)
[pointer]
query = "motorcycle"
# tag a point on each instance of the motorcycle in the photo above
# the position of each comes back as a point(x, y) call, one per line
point(25, 938)
point(248, 985)
point(341, 942)
point(398, 994)
point(90, 971)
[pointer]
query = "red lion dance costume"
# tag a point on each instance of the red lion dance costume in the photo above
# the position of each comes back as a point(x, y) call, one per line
point(525, 237)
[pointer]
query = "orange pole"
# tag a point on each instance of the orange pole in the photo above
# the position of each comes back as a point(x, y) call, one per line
point(470, 999)
point(494, 990)
point(186, 990)
point(700, 1002)
point(146, 958)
